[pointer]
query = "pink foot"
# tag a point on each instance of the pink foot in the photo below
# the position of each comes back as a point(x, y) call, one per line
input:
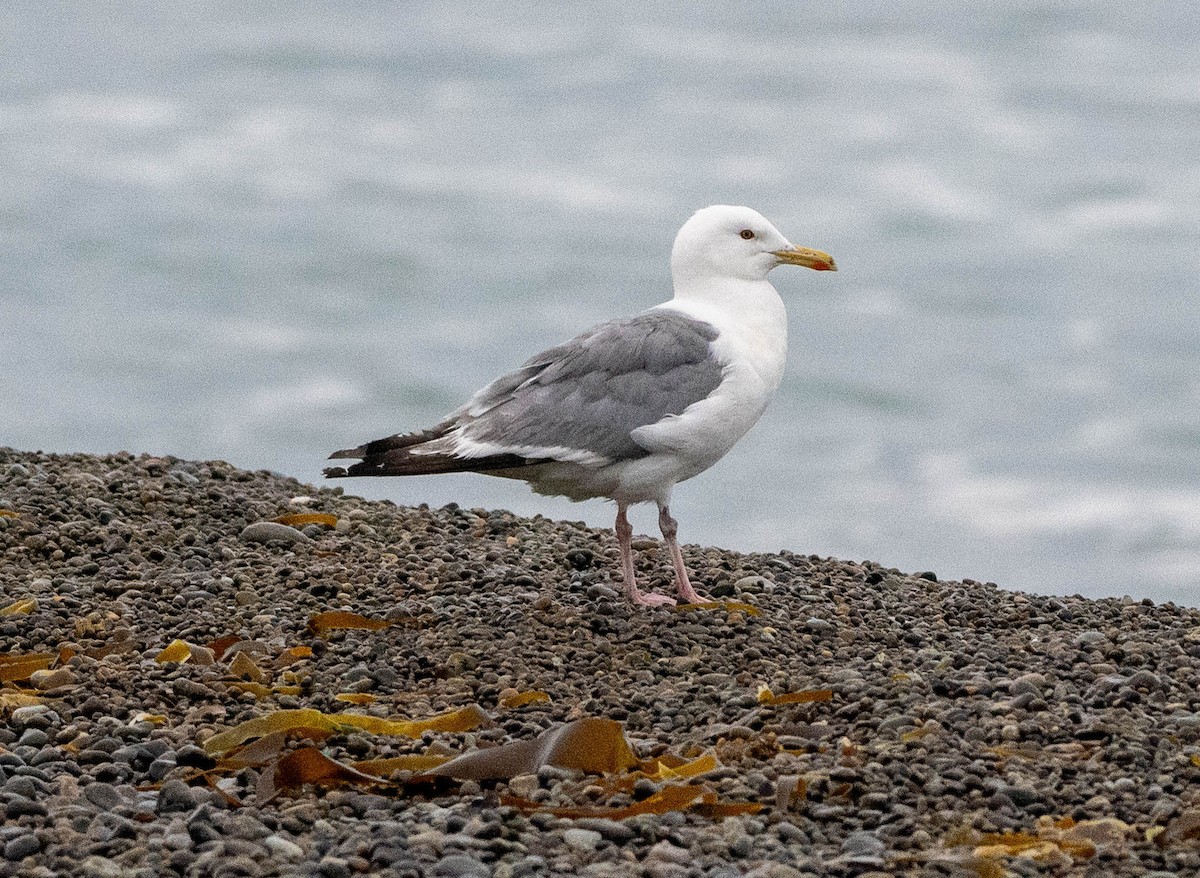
point(651, 599)
point(692, 596)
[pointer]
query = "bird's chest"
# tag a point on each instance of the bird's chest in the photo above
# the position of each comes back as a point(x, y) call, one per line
point(752, 368)
point(754, 363)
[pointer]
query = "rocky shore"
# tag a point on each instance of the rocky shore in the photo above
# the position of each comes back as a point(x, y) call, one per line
point(202, 670)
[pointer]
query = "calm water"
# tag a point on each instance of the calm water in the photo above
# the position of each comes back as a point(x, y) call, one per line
point(229, 232)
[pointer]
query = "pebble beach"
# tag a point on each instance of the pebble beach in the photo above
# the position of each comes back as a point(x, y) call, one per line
point(206, 671)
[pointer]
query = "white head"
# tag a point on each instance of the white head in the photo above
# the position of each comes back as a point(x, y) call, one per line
point(735, 242)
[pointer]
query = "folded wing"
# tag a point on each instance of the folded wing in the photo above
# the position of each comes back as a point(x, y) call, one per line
point(577, 403)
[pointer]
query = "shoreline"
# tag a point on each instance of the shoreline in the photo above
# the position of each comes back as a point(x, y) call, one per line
point(967, 728)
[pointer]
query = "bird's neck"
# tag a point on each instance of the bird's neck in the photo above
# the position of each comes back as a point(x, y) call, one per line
point(738, 302)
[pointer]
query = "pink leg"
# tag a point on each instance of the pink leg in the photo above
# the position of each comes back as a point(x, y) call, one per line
point(625, 541)
point(670, 527)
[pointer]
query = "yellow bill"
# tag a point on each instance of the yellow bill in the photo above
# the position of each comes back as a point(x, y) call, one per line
point(806, 257)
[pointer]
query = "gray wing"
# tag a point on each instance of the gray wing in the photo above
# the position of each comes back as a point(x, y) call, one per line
point(578, 401)
point(592, 392)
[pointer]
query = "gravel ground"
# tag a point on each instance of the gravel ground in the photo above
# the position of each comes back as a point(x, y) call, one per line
point(966, 729)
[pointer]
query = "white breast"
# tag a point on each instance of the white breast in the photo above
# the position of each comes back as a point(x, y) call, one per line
point(752, 346)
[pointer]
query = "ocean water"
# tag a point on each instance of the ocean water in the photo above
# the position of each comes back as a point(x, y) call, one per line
point(230, 231)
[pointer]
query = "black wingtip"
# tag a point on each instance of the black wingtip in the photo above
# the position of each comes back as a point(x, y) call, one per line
point(355, 453)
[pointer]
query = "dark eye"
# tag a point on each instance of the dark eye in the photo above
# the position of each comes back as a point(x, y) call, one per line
point(746, 233)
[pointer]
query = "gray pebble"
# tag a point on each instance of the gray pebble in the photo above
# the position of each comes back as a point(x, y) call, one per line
point(159, 769)
point(741, 846)
point(102, 867)
point(753, 585)
point(791, 832)
point(582, 839)
point(33, 738)
point(333, 867)
point(461, 866)
point(47, 680)
point(19, 806)
point(187, 688)
point(270, 531)
point(1123, 785)
point(103, 795)
point(30, 715)
point(283, 849)
point(21, 785)
point(615, 831)
point(175, 795)
point(1145, 679)
point(666, 852)
point(177, 841)
point(1022, 795)
point(528, 867)
point(21, 846)
point(660, 869)
point(863, 844)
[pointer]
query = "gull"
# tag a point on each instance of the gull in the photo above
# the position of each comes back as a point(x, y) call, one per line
point(630, 408)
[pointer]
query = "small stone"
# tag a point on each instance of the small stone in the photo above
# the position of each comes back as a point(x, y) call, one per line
point(333, 867)
point(615, 831)
point(1022, 796)
point(741, 846)
point(27, 716)
point(665, 852)
point(644, 788)
point(791, 832)
point(185, 688)
point(776, 870)
point(175, 795)
point(46, 680)
point(753, 585)
point(19, 806)
point(582, 840)
point(1123, 785)
point(1027, 684)
point(33, 738)
point(523, 785)
point(103, 795)
point(20, 785)
point(661, 869)
point(159, 769)
point(271, 531)
point(599, 590)
point(1144, 679)
point(461, 866)
point(581, 558)
point(202, 656)
point(863, 845)
point(102, 867)
point(817, 626)
point(529, 867)
point(177, 841)
point(22, 846)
